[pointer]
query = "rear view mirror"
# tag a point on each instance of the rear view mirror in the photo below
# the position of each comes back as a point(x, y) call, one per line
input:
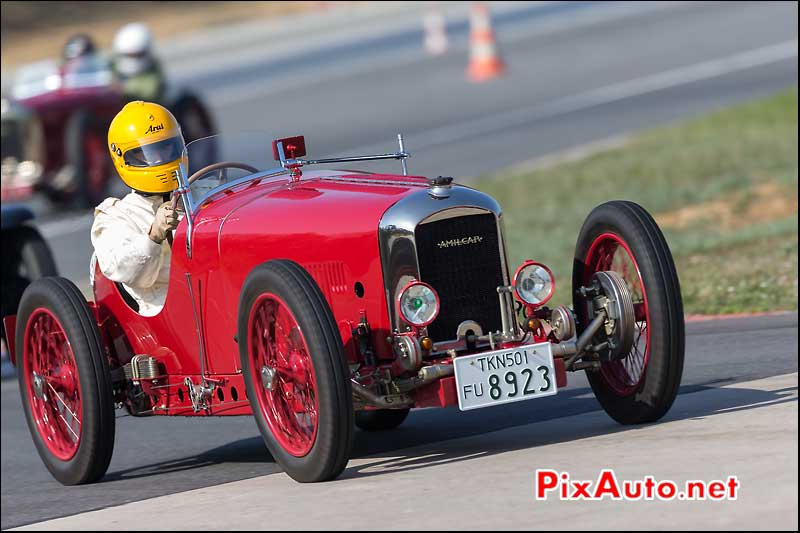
point(289, 148)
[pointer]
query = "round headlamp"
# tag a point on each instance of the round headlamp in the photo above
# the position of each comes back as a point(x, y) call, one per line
point(418, 304)
point(533, 283)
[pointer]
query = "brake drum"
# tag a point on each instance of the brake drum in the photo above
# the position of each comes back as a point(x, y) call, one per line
point(620, 325)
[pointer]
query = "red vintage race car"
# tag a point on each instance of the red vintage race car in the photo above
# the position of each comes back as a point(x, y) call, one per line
point(321, 300)
point(54, 130)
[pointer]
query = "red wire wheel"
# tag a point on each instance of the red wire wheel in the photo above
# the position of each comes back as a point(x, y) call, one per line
point(295, 370)
point(65, 381)
point(51, 377)
point(610, 252)
point(639, 386)
point(290, 403)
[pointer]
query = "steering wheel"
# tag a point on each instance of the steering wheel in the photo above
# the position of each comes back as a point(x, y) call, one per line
point(217, 166)
point(205, 170)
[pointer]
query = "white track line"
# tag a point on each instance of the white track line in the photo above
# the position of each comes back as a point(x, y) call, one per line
point(408, 54)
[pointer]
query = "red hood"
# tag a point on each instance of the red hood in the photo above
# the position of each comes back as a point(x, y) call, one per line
point(323, 204)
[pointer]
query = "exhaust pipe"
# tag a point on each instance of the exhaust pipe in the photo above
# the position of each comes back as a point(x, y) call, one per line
point(426, 375)
point(392, 401)
point(429, 374)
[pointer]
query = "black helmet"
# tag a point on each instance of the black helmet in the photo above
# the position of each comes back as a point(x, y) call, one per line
point(79, 45)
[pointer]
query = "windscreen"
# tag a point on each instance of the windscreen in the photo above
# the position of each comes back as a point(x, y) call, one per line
point(251, 150)
point(46, 76)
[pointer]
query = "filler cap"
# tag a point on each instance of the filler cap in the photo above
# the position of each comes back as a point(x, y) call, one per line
point(440, 186)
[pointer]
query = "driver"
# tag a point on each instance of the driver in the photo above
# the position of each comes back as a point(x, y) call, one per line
point(78, 54)
point(136, 66)
point(130, 235)
point(77, 47)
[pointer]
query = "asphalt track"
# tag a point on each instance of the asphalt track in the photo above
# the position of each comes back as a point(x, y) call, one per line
point(574, 77)
point(159, 456)
point(487, 481)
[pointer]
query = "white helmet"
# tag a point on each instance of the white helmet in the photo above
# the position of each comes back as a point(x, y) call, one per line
point(133, 39)
point(132, 48)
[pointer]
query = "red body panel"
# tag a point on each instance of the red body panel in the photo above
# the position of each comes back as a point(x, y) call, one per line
point(311, 222)
point(440, 393)
point(241, 228)
point(306, 223)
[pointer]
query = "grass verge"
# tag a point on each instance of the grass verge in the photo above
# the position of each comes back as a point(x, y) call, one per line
point(723, 188)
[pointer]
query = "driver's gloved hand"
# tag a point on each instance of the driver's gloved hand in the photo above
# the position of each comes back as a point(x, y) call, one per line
point(166, 221)
point(179, 207)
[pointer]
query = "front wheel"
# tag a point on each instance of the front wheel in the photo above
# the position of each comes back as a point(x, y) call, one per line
point(65, 381)
point(295, 371)
point(638, 386)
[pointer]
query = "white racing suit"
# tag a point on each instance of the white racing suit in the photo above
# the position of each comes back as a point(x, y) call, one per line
point(126, 254)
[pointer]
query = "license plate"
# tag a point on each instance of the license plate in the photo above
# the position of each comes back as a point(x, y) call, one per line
point(505, 376)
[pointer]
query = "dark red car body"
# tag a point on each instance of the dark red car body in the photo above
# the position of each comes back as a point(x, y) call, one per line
point(55, 108)
point(72, 119)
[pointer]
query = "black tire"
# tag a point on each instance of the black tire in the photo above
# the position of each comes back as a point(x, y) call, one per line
point(26, 257)
point(661, 378)
point(380, 419)
point(84, 193)
point(34, 253)
point(330, 451)
point(63, 299)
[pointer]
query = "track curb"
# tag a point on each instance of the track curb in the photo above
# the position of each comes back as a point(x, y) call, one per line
point(706, 318)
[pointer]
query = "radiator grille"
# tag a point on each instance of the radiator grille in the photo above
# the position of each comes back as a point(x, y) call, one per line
point(460, 258)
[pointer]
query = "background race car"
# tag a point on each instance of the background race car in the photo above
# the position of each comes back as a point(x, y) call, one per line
point(54, 128)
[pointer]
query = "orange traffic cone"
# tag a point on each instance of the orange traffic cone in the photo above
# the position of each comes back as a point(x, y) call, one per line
point(484, 61)
point(435, 32)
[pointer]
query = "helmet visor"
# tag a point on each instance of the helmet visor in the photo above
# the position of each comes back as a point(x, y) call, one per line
point(158, 153)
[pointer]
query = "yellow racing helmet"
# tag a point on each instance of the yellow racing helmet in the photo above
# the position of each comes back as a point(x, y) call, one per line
point(146, 146)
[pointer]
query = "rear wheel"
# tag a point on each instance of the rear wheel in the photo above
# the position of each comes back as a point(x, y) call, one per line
point(380, 419)
point(295, 371)
point(27, 258)
point(194, 118)
point(640, 385)
point(64, 381)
